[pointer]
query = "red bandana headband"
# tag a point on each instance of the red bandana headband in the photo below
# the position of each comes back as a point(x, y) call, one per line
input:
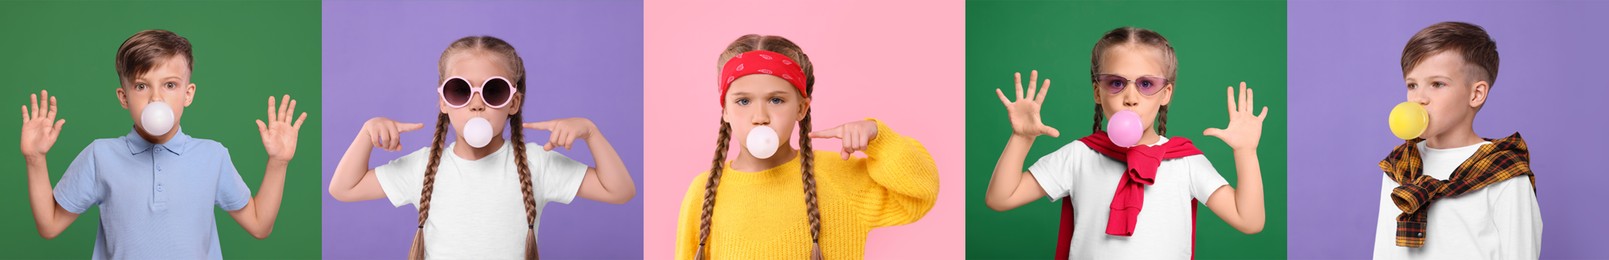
point(761, 62)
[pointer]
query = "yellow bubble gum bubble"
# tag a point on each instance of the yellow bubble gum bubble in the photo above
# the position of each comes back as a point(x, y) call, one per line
point(1409, 120)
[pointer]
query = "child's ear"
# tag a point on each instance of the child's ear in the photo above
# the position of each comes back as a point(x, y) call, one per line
point(122, 98)
point(1477, 94)
point(1095, 92)
point(804, 108)
point(1168, 96)
point(514, 105)
point(441, 105)
point(189, 94)
point(725, 117)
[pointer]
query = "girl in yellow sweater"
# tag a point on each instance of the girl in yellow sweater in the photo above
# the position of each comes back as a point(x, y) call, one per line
point(766, 79)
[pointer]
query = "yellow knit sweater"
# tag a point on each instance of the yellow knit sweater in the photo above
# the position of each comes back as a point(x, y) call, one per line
point(761, 215)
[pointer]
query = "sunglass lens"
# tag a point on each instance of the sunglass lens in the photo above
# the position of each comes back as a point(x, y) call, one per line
point(456, 91)
point(1149, 85)
point(497, 92)
point(1114, 84)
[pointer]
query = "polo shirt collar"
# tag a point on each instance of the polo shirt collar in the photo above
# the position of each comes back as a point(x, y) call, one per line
point(177, 145)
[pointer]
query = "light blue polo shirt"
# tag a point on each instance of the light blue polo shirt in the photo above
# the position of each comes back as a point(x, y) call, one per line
point(156, 200)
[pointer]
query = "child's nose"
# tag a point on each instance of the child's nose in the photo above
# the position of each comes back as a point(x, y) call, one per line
point(476, 103)
point(158, 95)
point(1418, 96)
point(761, 116)
point(1130, 97)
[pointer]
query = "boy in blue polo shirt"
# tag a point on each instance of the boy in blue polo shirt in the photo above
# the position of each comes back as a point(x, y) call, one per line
point(156, 188)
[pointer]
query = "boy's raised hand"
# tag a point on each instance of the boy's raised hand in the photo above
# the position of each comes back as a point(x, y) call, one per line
point(855, 135)
point(1245, 129)
point(39, 125)
point(279, 133)
point(386, 134)
point(1025, 120)
point(564, 131)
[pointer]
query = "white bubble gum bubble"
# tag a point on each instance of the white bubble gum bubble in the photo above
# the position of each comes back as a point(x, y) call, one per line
point(477, 132)
point(762, 142)
point(157, 118)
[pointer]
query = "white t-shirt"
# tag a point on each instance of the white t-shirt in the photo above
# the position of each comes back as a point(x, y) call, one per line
point(476, 209)
point(1500, 221)
point(1164, 224)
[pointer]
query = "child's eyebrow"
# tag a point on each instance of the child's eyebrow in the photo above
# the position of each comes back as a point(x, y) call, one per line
point(1121, 75)
point(739, 93)
point(174, 78)
point(1431, 77)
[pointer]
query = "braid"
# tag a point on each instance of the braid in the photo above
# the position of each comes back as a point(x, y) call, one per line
point(716, 167)
point(1162, 121)
point(518, 137)
point(418, 249)
point(1098, 117)
point(807, 166)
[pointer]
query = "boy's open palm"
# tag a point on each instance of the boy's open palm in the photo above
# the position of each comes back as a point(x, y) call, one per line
point(1024, 112)
point(1245, 129)
point(279, 133)
point(39, 125)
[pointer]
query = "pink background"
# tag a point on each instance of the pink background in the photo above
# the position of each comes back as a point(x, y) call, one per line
point(901, 62)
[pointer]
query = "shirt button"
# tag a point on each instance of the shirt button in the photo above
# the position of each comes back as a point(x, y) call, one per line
point(159, 187)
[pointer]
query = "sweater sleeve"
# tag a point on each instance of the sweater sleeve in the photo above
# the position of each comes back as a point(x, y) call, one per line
point(1385, 226)
point(687, 224)
point(1517, 218)
point(905, 178)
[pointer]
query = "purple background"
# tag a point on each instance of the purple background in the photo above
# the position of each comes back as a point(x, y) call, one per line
point(582, 59)
point(1345, 77)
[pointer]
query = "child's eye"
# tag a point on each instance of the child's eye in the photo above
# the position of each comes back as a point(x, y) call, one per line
point(1412, 85)
point(170, 85)
point(1438, 84)
point(140, 86)
point(776, 100)
point(1146, 84)
point(1114, 83)
point(742, 101)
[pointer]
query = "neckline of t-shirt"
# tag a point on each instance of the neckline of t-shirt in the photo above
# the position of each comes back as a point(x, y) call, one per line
point(1427, 149)
point(500, 151)
point(1160, 140)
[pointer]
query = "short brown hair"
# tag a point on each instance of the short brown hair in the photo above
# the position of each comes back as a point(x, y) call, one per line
point(140, 53)
point(1469, 40)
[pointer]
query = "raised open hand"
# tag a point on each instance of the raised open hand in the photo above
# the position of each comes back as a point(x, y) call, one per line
point(1245, 129)
point(279, 133)
point(39, 125)
point(1024, 113)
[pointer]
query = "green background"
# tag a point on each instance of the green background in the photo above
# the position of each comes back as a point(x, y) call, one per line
point(244, 52)
point(1218, 43)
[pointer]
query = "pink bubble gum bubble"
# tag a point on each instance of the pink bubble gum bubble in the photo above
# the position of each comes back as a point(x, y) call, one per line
point(1124, 128)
